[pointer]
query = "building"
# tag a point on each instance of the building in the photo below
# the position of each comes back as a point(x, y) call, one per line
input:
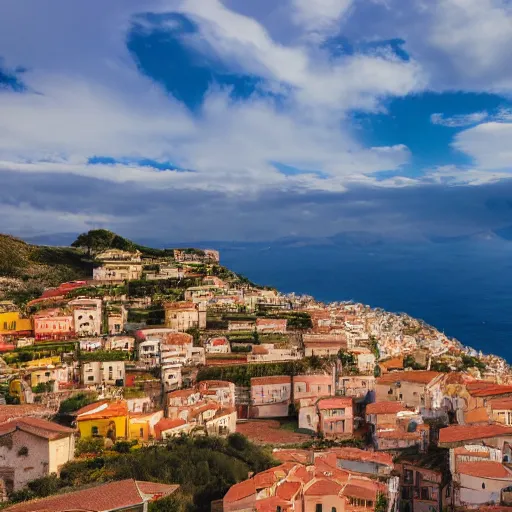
point(53, 324)
point(87, 316)
point(197, 255)
point(270, 396)
point(218, 345)
point(268, 353)
point(365, 360)
point(412, 388)
point(313, 386)
point(183, 316)
point(118, 266)
point(97, 373)
point(116, 319)
point(141, 426)
point(12, 324)
point(220, 391)
point(148, 352)
point(241, 325)
point(103, 419)
point(271, 325)
point(336, 417)
point(121, 496)
point(357, 386)
point(32, 448)
point(171, 376)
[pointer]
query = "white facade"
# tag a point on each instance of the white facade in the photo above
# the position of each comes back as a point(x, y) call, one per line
point(98, 373)
point(87, 316)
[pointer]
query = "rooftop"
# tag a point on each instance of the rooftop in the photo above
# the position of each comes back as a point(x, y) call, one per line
point(385, 408)
point(37, 427)
point(460, 433)
point(418, 376)
point(484, 469)
point(268, 381)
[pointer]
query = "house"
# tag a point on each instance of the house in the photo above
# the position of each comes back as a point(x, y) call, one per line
point(116, 319)
point(11, 412)
point(97, 373)
point(122, 343)
point(391, 365)
point(336, 417)
point(313, 386)
point(425, 481)
point(53, 324)
point(218, 345)
point(220, 391)
point(171, 376)
point(267, 353)
point(148, 352)
point(196, 255)
point(164, 272)
point(241, 325)
point(376, 464)
point(222, 423)
point(31, 448)
point(167, 427)
point(103, 419)
point(323, 345)
point(365, 359)
point(413, 388)
point(12, 323)
point(357, 386)
point(270, 396)
point(141, 426)
point(271, 325)
point(123, 495)
point(87, 316)
point(117, 265)
point(183, 316)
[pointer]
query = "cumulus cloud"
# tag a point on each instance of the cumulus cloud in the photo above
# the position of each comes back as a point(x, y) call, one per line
point(459, 120)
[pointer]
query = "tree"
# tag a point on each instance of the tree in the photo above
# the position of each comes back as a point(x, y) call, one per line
point(381, 505)
point(97, 240)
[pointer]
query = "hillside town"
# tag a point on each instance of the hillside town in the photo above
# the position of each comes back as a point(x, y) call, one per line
point(361, 409)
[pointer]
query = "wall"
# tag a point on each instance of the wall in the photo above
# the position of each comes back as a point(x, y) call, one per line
point(103, 426)
point(61, 451)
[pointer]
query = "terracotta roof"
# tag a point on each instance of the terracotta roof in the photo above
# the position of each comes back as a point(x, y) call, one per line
point(37, 427)
point(494, 390)
point(277, 379)
point(356, 491)
point(324, 487)
point(106, 409)
point(385, 408)
point(333, 403)
point(484, 469)
point(501, 404)
point(217, 342)
point(271, 504)
point(240, 491)
point(417, 376)
point(300, 456)
point(398, 434)
point(168, 424)
point(8, 412)
point(349, 453)
point(395, 362)
point(178, 338)
point(110, 496)
point(259, 350)
point(459, 433)
point(287, 490)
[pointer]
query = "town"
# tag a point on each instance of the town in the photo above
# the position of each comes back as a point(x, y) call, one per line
point(358, 409)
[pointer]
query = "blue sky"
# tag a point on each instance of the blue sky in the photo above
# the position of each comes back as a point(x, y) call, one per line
point(228, 119)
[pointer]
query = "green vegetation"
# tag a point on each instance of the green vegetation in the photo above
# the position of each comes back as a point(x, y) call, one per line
point(410, 362)
point(241, 374)
point(76, 402)
point(104, 356)
point(44, 387)
point(472, 362)
point(154, 315)
point(205, 467)
point(98, 240)
point(381, 505)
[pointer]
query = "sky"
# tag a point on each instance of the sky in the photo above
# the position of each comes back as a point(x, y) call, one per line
point(255, 120)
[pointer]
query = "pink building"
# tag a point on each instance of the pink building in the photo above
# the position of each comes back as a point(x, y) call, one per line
point(52, 324)
point(313, 386)
point(270, 396)
point(336, 416)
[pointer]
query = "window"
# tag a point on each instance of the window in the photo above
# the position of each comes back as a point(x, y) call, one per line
point(408, 476)
point(425, 493)
point(94, 431)
point(400, 396)
point(483, 485)
point(333, 509)
point(141, 432)
point(448, 491)
point(90, 378)
point(318, 507)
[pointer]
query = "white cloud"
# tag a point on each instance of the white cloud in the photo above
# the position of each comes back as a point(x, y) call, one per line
point(319, 15)
point(459, 120)
point(489, 144)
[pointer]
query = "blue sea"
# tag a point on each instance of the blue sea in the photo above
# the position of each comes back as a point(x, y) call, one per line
point(463, 288)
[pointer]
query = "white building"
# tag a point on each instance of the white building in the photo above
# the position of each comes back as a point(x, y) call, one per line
point(97, 373)
point(86, 316)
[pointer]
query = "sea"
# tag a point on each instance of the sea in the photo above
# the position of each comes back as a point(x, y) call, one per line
point(463, 288)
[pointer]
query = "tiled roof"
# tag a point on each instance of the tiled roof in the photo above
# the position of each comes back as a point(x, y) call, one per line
point(287, 490)
point(168, 424)
point(179, 338)
point(110, 496)
point(259, 350)
point(418, 377)
point(8, 412)
point(501, 404)
point(301, 456)
point(272, 504)
point(240, 491)
point(218, 342)
point(324, 487)
point(385, 408)
point(277, 379)
point(349, 453)
point(459, 433)
point(111, 410)
point(333, 403)
point(395, 362)
point(37, 427)
point(484, 469)
point(494, 390)
point(356, 491)
point(398, 434)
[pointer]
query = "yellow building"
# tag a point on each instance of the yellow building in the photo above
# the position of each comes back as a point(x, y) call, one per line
point(12, 323)
point(103, 419)
point(142, 426)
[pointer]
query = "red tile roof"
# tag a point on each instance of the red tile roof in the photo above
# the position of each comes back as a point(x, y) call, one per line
point(167, 424)
point(501, 404)
point(112, 410)
point(271, 504)
point(349, 453)
point(178, 338)
point(356, 491)
point(268, 381)
point(218, 342)
point(460, 433)
point(324, 487)
point(418, 376)
point(8, 412)
point(385, 408)
point(240, 491)
point(334, 403)
point(494, 390)
point(37, 427)
point(484, 469)
point(301, 456)
point(287, 490)
point(110, 496)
